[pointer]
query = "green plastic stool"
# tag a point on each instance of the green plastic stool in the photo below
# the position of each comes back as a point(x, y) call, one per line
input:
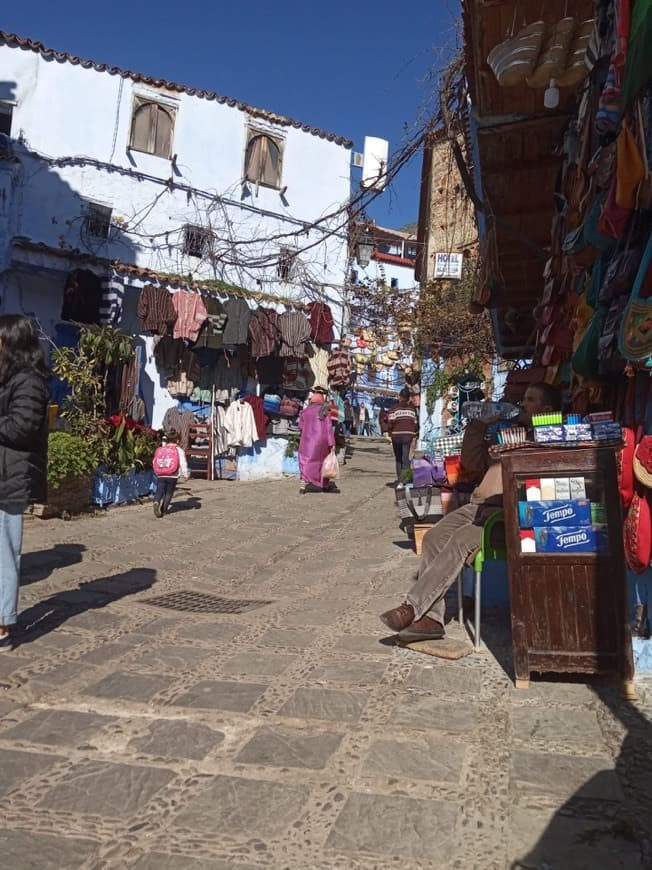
point(487, 553)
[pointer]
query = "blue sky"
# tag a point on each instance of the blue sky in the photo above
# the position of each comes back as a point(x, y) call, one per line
point(352, 68)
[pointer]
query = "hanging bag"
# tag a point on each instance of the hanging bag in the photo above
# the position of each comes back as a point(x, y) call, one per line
point(635, 338)
point(637, 534)
point(625, 462)
point(330, 467)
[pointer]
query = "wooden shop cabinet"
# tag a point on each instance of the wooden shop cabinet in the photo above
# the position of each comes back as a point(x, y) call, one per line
point(568, 609)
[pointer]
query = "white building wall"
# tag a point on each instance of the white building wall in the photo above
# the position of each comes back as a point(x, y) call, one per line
point(73, 125)
point(378, 271)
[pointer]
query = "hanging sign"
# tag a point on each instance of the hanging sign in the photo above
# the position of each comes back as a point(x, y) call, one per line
point(448, 266)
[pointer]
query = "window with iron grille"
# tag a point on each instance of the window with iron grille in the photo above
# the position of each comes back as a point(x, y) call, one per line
point(152, 127)
point(97, 220)
point(286, 265)
point(263, 159)
point(197, 241)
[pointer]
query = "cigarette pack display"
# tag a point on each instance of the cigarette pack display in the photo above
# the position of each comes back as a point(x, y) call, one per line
point(577, 539)
point(598, 514)
point(607, 431)
point(600, 417)
point(578, 432)
point(577, 488)
point(528, 542)
point(548, 489)
point(548, 434)
point(533, 489)
point(554, 513)
point(562, 488)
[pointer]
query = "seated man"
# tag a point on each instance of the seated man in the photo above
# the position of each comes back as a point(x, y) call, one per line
point(448, 544)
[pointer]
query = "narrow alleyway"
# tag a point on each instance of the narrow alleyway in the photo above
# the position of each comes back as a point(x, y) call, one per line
point(212, 691)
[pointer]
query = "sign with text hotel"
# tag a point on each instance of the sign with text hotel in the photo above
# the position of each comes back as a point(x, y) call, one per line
point(448, 266)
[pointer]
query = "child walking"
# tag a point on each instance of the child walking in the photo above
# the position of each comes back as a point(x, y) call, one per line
point(169, 465)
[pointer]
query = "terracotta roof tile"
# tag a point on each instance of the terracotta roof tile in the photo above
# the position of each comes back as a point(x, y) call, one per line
point(14, 41)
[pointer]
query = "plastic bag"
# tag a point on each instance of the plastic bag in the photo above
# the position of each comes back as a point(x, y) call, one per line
point(330, 467)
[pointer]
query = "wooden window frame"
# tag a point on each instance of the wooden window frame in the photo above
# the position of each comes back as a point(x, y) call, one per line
point(258, 178)
point(141, 103)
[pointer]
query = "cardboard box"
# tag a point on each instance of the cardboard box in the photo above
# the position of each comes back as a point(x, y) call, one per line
point(577, 488)
point(548, 434)
point(578, 539)
point(598, 514)
point(562, 489)
point(554, 513)
point(548, 489)
point(528, 542)
point(533, 489)
point(578, 432)
point(607, 431)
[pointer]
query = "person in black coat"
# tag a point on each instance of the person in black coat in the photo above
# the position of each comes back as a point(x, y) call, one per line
point(23, 450)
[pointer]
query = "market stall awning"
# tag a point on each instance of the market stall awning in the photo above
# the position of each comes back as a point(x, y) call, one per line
point(518, 154)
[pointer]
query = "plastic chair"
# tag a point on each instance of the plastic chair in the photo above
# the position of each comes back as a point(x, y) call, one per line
point(487, 552)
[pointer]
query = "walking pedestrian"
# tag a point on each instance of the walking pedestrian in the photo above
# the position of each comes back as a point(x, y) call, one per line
point(348, 417)
point(402, 427)
point(316, 442)
point(365, 421)
point(169, 465)
point(23, 450)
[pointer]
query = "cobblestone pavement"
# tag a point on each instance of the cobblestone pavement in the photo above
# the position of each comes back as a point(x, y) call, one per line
point(141, 729)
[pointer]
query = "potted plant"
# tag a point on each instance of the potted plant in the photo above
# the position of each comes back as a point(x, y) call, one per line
point(71, 464)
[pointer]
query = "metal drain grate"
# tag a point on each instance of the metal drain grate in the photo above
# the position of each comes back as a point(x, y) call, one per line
point(199, 602)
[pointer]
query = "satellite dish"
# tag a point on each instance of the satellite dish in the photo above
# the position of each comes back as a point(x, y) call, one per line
point(374, 166)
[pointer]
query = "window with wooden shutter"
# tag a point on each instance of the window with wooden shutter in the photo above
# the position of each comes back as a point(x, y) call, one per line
point(264, 160)
point(152, 126)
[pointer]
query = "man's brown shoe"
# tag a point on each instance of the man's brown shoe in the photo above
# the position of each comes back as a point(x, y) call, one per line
point(423, 629)
point(399, 618)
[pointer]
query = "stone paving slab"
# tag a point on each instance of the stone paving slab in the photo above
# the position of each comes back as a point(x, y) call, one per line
point(29, 851)
point(111, 790)
point(294, 735)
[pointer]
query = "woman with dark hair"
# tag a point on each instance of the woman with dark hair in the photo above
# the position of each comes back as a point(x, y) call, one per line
point(23, 450)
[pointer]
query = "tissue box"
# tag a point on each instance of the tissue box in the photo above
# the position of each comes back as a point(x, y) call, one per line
point(548, 434)
point(607, 431)
point(554, 513)
point(571, 539)
point(577, 432)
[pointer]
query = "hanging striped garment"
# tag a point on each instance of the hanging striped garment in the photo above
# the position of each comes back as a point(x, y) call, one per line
point(295, 332)
point(113, 292)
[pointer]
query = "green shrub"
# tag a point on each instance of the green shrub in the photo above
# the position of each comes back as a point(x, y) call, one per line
point(68, 456)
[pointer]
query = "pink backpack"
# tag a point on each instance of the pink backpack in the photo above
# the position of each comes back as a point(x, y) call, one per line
point(166, 460)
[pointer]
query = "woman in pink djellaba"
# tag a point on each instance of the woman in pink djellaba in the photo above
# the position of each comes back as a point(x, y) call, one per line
point(316, 442)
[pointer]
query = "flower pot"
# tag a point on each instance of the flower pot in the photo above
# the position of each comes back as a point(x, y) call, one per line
point(73, 495)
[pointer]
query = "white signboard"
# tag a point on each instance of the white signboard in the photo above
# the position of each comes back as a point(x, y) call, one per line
point(448, 266)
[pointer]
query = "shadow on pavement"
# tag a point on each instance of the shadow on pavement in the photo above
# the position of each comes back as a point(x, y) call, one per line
point(190, 504)
point(48, 615)
point(38, 565)
point(594, 828)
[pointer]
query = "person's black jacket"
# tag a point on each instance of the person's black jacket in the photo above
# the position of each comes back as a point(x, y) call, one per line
point(23, 438)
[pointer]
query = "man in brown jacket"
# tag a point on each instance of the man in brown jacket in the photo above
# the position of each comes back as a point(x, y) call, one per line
point(448, 544)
